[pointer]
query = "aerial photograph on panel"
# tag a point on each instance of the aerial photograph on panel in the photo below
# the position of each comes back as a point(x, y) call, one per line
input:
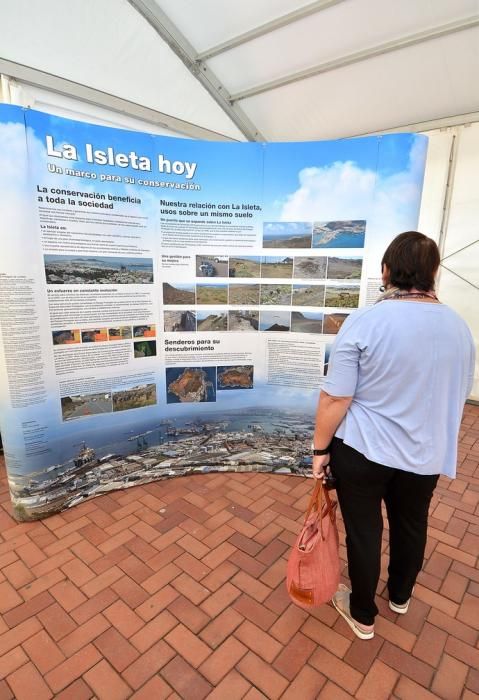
point(190, 384)
point(339, 234)
point(238, 377)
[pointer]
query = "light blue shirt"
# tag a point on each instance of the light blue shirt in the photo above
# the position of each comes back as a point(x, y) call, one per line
point(409, 367)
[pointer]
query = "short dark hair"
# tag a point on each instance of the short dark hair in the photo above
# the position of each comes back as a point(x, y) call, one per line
point(412, 259)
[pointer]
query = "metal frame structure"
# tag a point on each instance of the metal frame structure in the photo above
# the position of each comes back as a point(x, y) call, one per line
point(185, 51)
point(68, 88)
point(364, 55)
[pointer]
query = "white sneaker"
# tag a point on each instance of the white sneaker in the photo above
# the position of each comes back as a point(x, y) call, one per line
point(401, 609)
point(340, 601)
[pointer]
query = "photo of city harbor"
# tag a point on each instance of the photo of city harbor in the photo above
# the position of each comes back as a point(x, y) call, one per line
point(245, 440)
point(75, 269)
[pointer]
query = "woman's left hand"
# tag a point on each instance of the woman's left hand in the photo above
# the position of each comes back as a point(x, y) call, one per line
point(319, 466)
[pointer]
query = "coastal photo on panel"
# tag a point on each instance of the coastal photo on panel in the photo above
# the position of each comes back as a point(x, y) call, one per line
point(78, 269)
point(287, 234)
point(339, 234)
point(190, 384)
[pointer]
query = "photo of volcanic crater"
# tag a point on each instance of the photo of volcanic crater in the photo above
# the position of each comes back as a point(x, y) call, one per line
point(274, 321)
point(238, 377)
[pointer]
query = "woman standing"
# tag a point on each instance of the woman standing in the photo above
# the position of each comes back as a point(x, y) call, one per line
point(388, 423)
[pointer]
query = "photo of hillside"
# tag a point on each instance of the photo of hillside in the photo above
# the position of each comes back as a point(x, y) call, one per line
point(344, 268)
point(345, 295)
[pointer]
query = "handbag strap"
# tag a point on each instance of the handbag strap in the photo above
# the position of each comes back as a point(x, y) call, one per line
point(316, 504)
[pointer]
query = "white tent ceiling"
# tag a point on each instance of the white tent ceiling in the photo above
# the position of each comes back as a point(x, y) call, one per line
point(272, 70)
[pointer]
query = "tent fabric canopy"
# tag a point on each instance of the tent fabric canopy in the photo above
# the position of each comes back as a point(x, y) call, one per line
point(274, 70)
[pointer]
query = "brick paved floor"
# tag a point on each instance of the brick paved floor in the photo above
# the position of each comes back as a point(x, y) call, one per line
point(176, 590)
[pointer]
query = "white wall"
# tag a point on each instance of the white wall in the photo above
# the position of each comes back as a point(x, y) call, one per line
point(458, 283)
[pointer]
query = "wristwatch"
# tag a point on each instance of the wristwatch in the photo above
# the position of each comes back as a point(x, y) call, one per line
point(319, 453)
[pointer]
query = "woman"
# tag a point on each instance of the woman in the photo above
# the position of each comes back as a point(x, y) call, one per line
point(388, 423)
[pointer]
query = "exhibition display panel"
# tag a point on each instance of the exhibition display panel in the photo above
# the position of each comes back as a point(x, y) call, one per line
point(168, 306)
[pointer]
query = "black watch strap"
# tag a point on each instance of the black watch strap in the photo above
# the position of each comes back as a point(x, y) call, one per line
point(318, 453)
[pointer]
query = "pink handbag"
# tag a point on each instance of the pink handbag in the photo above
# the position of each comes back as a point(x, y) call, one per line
point(313, 566)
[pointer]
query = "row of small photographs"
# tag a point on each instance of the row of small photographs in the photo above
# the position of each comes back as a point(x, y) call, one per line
point(332, 295)
point(314, 234)
point(102, 335)
point(82, 405)
point(92, 269)
point(215, 320)
point(200, 384)
point(297, 267)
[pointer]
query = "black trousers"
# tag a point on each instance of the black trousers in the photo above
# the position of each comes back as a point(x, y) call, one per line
point(361, 486)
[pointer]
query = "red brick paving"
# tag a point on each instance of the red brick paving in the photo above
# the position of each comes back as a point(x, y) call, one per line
point(176, 590)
